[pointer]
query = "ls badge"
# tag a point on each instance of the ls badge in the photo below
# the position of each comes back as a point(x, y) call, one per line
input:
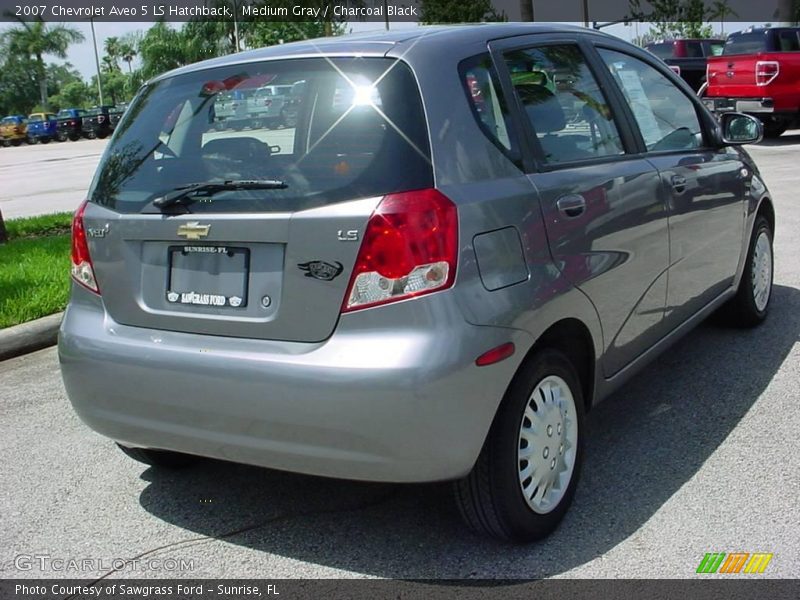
point(321, 270)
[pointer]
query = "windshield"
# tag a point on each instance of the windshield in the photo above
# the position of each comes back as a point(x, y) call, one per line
point(347, 128)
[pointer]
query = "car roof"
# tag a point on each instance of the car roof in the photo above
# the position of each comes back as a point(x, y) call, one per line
point(379, 43)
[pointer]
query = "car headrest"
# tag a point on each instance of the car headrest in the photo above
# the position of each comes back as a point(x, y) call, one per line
point(543, 108)
point(236, 148)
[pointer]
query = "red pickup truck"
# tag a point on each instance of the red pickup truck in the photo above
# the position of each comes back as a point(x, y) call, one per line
point(758, 73)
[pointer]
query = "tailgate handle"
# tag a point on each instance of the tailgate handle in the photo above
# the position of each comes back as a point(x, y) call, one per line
point(572, 205)
point(679, 183)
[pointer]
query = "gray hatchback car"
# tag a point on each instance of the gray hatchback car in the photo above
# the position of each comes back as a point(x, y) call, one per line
point(469, 237)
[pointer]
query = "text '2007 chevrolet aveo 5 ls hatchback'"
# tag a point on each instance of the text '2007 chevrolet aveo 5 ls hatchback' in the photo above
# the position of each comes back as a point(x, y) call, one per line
point(459, 240)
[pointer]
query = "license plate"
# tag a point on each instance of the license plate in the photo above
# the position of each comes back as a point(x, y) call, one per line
point(212, 276)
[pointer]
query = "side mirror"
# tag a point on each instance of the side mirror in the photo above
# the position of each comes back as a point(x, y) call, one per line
point(739, 128)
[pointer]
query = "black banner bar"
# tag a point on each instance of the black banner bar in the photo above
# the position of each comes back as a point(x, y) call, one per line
point(580, 11)
point(735, 587)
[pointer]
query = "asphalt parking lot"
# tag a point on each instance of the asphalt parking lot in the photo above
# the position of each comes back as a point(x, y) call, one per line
point(697, 454)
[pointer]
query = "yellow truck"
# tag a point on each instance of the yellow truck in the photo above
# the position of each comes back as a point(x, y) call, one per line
point(13, 130)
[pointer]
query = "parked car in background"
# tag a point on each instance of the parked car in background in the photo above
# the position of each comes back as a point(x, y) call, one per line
point(293, 104)
point(758, 73)
point(687, 57)
point(265, 106)
point(42, 127)
point(13, 130)
point(410, 289)
point(115, 114)
point(70, 123)
point(97, 122)
point(230, 110)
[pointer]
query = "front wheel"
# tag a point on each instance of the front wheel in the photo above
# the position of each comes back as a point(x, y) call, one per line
point(750, 305)
point(159, 458)
point(525, 477)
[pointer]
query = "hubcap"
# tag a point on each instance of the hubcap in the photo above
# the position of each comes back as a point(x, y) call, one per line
point(548, 438)
point(762, 271)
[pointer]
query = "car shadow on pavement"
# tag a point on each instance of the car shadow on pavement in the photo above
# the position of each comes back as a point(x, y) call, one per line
point(643, 444)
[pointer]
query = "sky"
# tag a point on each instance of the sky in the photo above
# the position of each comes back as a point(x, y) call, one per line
point(82, 56)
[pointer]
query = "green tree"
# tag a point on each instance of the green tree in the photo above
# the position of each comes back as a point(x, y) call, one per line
point(75, 94)
point(161, 49)
point(36, 39)
point(459, 11)
point(680, 18)
point(258, 34)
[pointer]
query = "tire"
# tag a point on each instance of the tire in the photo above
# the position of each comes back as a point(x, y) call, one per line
point(750, 306)
point(159, 458)
point(774, 128)
point(490, 499)
point(32, 141)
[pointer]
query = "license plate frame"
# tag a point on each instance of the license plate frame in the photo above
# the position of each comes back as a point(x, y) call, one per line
point(219, 273)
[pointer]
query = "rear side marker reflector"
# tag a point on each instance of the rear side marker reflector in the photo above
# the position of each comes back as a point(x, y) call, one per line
point(495, 355)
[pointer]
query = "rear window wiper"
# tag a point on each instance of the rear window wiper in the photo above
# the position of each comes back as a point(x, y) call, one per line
point(186, 194)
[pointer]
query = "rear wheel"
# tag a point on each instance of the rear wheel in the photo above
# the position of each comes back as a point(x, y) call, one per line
point(159, 458)
point(525, 477)
point(774, 127)
point(750, 305)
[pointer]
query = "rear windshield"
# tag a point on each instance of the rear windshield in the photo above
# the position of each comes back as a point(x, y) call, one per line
point(347, 128)
point(746, 43)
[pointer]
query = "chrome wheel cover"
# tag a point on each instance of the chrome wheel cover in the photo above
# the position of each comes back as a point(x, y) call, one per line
point(762, 271)
point(547, 444)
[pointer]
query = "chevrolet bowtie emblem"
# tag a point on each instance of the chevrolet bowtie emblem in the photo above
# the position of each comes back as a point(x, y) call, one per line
point(193, 230)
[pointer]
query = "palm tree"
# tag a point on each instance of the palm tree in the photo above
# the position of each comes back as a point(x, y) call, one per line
point(35, 39)
point(127, 53)
point(113, 49)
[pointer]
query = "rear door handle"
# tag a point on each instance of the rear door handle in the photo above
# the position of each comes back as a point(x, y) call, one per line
point(678, 183)
point(572, 205)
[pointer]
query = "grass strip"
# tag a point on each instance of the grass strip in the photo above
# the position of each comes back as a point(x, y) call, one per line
point(34, 273)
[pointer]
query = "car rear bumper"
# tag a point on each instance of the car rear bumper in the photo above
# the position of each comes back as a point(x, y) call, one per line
point(745, 105)
point(370, 403)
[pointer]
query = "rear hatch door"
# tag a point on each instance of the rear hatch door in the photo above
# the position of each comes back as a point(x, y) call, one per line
point(256, 263)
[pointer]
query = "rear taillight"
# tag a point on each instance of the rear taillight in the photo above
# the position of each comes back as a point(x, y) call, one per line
point(675, 69)
point(766, 71)
point(409, 249)
point(82, 270)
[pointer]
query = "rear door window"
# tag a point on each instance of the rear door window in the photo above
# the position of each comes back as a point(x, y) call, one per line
point(336, 129)
point(564, 104)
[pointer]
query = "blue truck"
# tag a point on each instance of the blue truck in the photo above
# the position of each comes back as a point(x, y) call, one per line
point(42, 127)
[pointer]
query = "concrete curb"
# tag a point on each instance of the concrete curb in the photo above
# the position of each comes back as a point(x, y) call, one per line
point(30, 336)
